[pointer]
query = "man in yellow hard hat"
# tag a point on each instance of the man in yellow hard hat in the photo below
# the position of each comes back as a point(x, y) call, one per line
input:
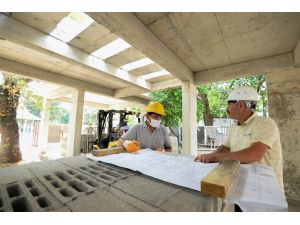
point(151, 134)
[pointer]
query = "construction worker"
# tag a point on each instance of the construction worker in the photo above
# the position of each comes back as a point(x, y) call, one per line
point(253, 138)
point(150, 134)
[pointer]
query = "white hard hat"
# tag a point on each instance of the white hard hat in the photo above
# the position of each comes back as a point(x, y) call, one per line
point(243, 93)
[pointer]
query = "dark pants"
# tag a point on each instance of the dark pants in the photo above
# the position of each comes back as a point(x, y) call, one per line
point(237, 208)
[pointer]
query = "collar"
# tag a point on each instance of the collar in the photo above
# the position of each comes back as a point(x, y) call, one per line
point(249, 119)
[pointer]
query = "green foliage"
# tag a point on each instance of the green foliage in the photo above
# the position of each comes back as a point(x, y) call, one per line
point(257, 82)
point(33, 103)
point(172, 102)
point(58, 114)
point(217, 94)
point(90, 115)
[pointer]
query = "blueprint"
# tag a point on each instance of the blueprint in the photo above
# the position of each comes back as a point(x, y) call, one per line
point(255, 187)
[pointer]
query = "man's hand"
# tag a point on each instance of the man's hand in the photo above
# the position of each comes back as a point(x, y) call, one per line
point(131, 146)
point(207, 158)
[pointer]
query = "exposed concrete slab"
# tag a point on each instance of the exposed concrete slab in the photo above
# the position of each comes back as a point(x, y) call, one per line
point(109, 200)
point(13, 174)
point(139, 36)
point(45, 22)
point(235, 71)
point(147, 189)
point(189, 201)
point(45, 167)
point(50, 45)
point(167, 197)
point(89, 42)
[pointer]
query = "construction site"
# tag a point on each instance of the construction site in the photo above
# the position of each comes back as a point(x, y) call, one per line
point(115, 60)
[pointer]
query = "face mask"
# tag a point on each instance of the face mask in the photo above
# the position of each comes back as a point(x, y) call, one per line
point(154, 123)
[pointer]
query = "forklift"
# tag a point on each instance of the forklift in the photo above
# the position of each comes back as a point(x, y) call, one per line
point(109, 139)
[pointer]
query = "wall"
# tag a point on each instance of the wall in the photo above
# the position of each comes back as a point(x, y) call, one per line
point(284, 107)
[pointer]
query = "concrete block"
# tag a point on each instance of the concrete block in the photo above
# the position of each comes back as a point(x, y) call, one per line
point(104, 172)
point(187, 200)
point(106, 200)
point(63, 209)
point(147, 189)
point(69, 184)
point(143, 206)
point(45, 167)
point(13, 174)
point(26, 196)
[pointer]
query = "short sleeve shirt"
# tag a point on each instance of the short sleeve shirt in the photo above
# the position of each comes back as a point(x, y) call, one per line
point(141, 133)
point(258, 129)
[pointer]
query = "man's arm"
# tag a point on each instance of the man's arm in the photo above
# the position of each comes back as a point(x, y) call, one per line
point(254, 153)
point(221, 149)
point(203, 157)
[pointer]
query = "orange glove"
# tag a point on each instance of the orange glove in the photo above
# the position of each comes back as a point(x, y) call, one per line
point(131, 146)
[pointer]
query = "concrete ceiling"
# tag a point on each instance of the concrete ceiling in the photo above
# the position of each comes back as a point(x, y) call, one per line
point(196, 47)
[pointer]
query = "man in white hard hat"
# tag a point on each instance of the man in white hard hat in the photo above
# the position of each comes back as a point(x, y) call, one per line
point(253, 138)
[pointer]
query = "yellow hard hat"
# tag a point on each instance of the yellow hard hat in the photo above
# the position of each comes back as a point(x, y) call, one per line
point(156, 107)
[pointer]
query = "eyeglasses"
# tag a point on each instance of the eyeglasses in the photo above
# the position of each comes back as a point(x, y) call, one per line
point(232, 101)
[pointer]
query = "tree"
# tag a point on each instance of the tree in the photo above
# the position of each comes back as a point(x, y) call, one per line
point(9, 130)
point(203, 96)
point(257, 82)
point(211, 100)
point(58, 114)
point(172, 102)
point(32, 102)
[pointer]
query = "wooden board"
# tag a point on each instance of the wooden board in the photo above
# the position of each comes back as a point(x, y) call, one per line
point(108, 151)
point(218, 181)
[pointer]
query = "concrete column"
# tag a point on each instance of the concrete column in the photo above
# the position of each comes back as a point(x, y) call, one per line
point(189, 119)
point(44, 125)
point(284, 107)
point(75, 122)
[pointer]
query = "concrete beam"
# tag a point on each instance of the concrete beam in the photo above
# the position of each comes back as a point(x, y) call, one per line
point(136, 100)
point(250, 68)
point(59, 92)
point(121, 106)
point(86, 103)
point(39, 41)
point(174, 83)
point(132, 30)
point(129, 91)
point(162, 85)
point(297, 55)
point(39, 74)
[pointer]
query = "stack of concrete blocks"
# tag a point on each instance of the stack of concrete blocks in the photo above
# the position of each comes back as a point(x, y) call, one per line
point(78, 184)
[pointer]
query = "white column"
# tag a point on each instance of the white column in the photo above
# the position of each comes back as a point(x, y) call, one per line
point(75, 122)
point(44, 125)
point(189, 119)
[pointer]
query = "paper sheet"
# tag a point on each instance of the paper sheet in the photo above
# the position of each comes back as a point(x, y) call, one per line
point(172, 168)
point(255, 187)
